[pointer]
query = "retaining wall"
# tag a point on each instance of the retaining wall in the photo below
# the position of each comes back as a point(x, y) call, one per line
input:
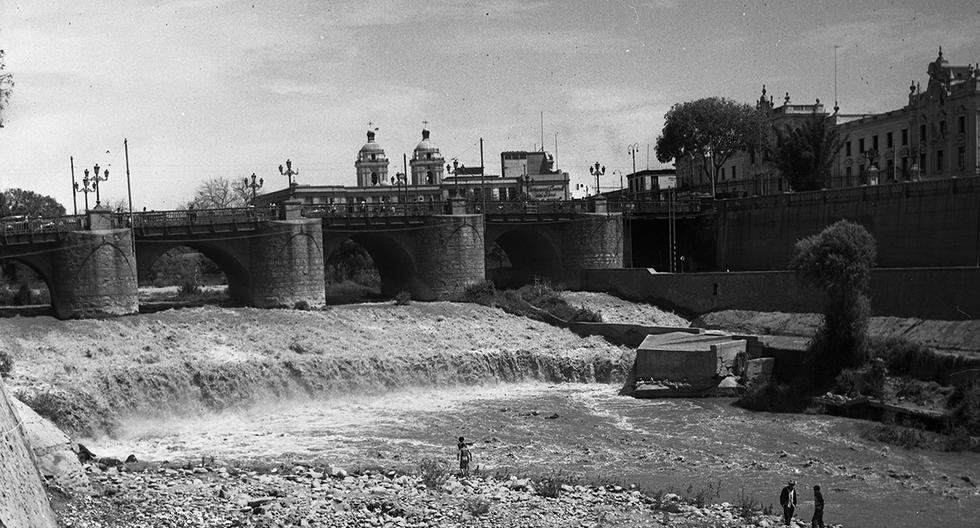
point(926, 293)
point(23, 502)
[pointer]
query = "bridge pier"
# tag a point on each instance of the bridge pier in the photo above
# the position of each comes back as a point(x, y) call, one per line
point(591, 240)
point(286, 265)
point(449, 256)
point(93, 274)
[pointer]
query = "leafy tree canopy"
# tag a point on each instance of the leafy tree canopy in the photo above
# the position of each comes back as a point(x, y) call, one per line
point(806, 155)
point(713, 127)
point(30, 203)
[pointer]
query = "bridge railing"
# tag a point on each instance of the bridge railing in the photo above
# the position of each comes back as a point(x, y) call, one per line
point(190, 217)
point(23, 225)
point(363, 211)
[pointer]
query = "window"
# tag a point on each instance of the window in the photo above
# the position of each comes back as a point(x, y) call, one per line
point(942, 127)
point(733, 172)
point(861, 146)
point(847, 173)
point(961, 158)
point(922, 163)
point(939, 161)
point(961, 124)
point(874, 142)
point(723, 173)
point(905, 136)
point(889, 170)
point(922, 132)
point(847, 148)
point(889, 140)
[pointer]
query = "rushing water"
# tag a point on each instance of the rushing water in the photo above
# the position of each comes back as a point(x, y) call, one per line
point(588, 430)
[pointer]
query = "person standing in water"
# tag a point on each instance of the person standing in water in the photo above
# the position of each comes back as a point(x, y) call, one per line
point(817, 520)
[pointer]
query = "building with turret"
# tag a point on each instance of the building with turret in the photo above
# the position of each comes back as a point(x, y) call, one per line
point(427, 163)
point(371, 163)
point(933, 136)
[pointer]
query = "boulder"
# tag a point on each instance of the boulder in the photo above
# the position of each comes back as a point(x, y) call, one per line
point(759, 371)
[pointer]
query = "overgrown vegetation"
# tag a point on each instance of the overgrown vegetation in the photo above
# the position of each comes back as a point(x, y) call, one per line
point(403, 298)
point(75, 412)
point(433, 472)
point(906, 358)
point(748, 506)
point(541, 301)
point(6, 364)
point(477, 506)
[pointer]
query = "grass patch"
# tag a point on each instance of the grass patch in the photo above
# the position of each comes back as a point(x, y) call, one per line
point(74, 412)
point(433, 472)
point(906, 358)
point(477, 506)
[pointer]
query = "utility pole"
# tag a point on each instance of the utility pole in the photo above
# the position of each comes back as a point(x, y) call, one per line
point(632, 149)
point(129, 188)
point(74, 186)
point(483, 179)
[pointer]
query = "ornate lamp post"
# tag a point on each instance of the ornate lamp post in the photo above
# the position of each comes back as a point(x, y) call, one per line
point(86, 187)
point(254, 185)
point(872, 156)
point(289, 173)
point(95, 178)
point(452, 169)
point(597, 171)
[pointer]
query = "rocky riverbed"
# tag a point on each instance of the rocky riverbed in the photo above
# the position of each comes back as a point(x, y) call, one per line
point(206, 494)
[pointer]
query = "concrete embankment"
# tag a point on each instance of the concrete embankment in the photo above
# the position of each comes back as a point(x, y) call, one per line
point(23, 502)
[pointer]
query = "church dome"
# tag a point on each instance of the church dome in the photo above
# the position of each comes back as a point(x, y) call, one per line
point(371, 147)
point(425, 146)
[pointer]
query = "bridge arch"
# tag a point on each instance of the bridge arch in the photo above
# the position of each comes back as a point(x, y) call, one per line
point(392, 258)
point(229, 260)
point(532, 252)
point(36, 266)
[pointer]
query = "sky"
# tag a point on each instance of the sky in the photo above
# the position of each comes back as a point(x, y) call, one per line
point(205, 89)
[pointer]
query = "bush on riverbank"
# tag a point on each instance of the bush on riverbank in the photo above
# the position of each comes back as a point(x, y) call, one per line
point(529, 301)
point(907, 358)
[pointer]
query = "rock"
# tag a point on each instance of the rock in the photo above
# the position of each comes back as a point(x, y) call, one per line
point(336, 472)
point(552, 417)
point(54, 457)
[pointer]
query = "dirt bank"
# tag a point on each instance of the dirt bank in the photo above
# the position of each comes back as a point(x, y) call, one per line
point(210, 358)
point(616, 310)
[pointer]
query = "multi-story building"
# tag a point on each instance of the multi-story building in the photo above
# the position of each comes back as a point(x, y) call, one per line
point(524, 176)
point(933, 136)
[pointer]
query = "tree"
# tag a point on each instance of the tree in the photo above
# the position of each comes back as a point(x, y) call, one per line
point(6, 86)
point(838, 262)
point(806, 155)
point(29, 203)
point(221, 193)
point(714, 128)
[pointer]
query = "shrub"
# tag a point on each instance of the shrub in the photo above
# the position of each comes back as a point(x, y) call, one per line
point(6, 364)
point(549, 486)
point(302, 305)
point(24, 295)
point(482, 292)
point(433, 472)
point(748, 506)
point(477, 506)
point(75, 412)
point(403, 298)
point(906, 358)
point(866, 381)
point(964, 406)
point(773, 397)
point(189, 285)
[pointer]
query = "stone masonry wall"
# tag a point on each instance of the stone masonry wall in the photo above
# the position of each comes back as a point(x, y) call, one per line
point(591, 241)
point(449, 255)
point(94, 275)
point(23, 502)
point(287, 265)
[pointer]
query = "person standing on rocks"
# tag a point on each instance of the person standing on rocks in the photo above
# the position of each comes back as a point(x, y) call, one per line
point(817, 520)
point(787, 499)
point(464, 460)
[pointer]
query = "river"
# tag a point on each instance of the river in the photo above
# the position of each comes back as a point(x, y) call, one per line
point(588, 430)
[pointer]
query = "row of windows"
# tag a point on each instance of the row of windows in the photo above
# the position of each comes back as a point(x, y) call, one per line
point(889, 138)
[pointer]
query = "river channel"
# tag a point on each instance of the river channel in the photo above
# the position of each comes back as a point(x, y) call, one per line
point(588, 430)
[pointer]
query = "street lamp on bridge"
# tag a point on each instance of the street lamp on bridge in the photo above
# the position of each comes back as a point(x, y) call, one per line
point(86, 187)
point(631, 150)
point(254, 185)
point(597, 171)
point(289, 173)
point(95, 179)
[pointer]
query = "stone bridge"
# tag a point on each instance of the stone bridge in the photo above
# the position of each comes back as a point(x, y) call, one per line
point(275, 257)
